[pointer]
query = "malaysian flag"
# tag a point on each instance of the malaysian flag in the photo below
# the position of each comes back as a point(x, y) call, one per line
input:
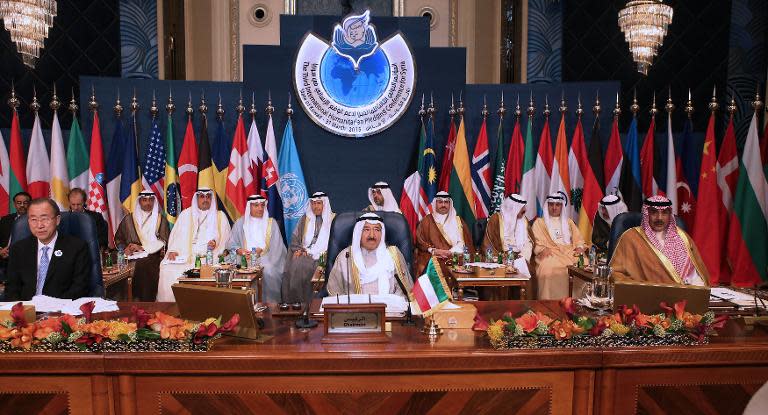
point(154, 164)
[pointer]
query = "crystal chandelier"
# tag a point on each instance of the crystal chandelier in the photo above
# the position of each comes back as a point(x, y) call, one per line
point(644, 23)
point(28, 22)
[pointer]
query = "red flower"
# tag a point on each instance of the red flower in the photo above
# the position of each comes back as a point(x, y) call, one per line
point(680, 309)
point(231, 324)
point(87, 309)
point(204, 331)
point(17, 314)
point(569, 306)
point(528, 322)
point(480, 324)
point(140, 317)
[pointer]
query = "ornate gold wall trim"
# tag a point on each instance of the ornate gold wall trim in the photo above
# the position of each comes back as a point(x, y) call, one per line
point(453, 22)
point(398, 8)
point(290, 7)
point(234, 40)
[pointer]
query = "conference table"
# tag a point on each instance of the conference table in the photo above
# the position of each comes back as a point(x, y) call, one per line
point(293, 372)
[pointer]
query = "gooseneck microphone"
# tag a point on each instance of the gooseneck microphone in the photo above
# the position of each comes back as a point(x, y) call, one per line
point(408, 314)
point(349, 275)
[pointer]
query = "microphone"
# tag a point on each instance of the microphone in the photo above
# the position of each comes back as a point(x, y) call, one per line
point(755, 297)
point(304, 321)
point(349, 275)
point(408, 314)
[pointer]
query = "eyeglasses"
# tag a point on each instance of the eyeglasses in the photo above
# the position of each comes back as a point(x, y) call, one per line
point(42, 220)
point(21, 202)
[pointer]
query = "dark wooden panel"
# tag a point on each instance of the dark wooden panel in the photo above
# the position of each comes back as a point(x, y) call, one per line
point(33, 403)
point(50, 395)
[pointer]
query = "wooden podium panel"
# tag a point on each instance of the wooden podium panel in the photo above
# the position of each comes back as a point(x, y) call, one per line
point(359, 394)
point(54, 395)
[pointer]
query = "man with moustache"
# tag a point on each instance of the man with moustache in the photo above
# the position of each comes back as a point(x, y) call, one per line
point(658, 251)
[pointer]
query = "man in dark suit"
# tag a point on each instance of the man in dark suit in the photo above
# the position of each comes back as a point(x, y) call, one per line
point(48, 262)
point(77, 199)
point(21, 203)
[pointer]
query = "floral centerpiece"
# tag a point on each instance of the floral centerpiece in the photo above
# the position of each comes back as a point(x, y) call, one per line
point(141, 332)
point(628, 326)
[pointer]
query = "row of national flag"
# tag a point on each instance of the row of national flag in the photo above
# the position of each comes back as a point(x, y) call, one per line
point(112, 184)
point(732, 192)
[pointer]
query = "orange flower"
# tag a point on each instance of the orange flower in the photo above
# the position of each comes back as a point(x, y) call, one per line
point(169, 327)
point(23, 337)
point(564, 329)
point(5, 333)
point(70, 320)
point(99, 327)
point(528, 322)
point(691, 320)
point(42, 332)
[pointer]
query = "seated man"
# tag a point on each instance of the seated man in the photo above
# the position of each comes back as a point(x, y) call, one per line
point(657, 250)
point(557, 244)
point(77, 201)
point(256, 230)
point(373, 265)
point(308, 242)
point(144, 230)
point(381, 199)
point(21, 203)
point(607, 210)
point(441, 233)
point(198, 228)
point(48, 262)
point(507, 230)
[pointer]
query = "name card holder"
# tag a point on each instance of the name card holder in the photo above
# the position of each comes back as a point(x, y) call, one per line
point(354, 323)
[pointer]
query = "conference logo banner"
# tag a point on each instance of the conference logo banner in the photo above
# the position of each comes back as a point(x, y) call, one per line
point(354, 86)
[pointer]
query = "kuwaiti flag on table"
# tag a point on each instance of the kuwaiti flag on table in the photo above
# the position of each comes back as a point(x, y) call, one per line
point(18, 179)
point(59, 175)
point(429, 291)
point(240, 183)
point(77, 157)
point(748, 236)
point(5, 176)
point(561, 181)
point(153, 171)
point(481, 173)
point(188, 166)
point(293, 188)
point(115, 172)
point(543, 171)
point(528, 181)
point(271, 176)
point(38, 164)
point(97, 195)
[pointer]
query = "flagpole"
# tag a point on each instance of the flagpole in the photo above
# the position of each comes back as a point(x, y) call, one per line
point(134, 109)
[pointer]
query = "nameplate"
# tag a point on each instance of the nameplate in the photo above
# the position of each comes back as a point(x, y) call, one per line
point(354, 323)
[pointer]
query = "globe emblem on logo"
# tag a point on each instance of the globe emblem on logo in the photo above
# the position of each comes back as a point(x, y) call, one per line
point(294, 195)
point(354, 85)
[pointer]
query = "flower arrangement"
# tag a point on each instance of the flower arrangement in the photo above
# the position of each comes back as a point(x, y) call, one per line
point(626, 327)
point(140, 332)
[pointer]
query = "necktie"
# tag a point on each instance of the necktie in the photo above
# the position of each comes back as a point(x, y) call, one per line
point(42, 270)
point(318, 225)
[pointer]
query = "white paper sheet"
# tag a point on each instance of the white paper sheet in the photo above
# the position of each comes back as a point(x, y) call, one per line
point(396, 305)
point(180, 259)
point(138, 255)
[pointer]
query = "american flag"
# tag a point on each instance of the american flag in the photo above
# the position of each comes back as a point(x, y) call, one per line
point(154, 164)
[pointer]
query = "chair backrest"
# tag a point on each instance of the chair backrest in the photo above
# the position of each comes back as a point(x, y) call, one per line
point(625, 221)
point(81, 226)
point(397, 234)
point(478, 232)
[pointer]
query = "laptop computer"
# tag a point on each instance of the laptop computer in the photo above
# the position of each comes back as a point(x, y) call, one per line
point(647, 296)
point(198, 303)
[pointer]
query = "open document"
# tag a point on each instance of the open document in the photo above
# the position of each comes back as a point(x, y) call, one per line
point(396, 305)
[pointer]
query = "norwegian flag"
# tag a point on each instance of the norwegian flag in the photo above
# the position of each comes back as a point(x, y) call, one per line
point(481, 174)
point(154, 165)
point(240, 183)
point(97, 200)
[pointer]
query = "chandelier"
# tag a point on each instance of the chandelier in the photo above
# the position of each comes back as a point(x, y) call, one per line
point(28, 22)
point(644, 23)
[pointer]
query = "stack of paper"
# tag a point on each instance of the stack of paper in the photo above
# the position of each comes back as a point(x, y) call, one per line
point(736, 297)
point(396, 305)
point(137, 255)
point(46, 304)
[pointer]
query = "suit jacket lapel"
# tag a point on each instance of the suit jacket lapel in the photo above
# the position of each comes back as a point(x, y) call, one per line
point(54, 259)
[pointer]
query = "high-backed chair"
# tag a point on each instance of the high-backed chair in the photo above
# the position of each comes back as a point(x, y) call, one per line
point(81, 226)
point(623, 222)
point(478, 232)
point(397, 234)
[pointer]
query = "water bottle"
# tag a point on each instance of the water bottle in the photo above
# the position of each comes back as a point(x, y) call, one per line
point(198, 263)
point(120, 258)
point(467, 258)
point(593, 256)
point(209, 257)
point(243, 261)
point(253, 258)
point(489, 255)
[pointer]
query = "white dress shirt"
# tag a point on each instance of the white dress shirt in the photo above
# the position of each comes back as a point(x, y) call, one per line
point(51, 244)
